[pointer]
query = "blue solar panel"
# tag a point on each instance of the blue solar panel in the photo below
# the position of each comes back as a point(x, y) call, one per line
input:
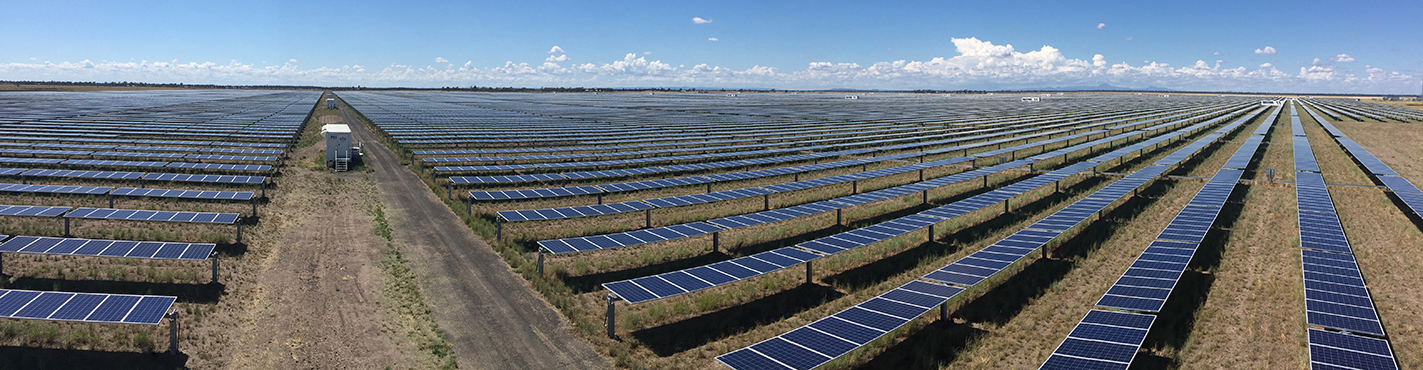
point(54, 189)
point(684, 281)
point(828, 338)
point(587, 243)
point(1406, 191)
point(1102, 340)
point(572, 212)
point(30, 160)
point(33, 211)
point(221, 179)
point(109, 163)
point(221, 166)
point(142, 215)
point(107, 248)
point(110, 175)
point(230, 158)
point(86, 307)
point(1329, 350)
point(184, 194)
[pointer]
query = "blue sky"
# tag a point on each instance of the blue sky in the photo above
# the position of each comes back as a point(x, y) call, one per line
point(1355, 46)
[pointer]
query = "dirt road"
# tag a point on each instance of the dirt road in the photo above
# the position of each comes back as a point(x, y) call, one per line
point(491, 317)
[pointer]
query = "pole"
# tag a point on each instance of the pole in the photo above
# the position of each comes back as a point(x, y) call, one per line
point(716, 242)
point(239, 231)
point(541, 260)
point(172, 332)
point(612, 318)
point(498, 228)
point(809, 276)
point(766, 202)
point(213, 256)
point(66, 228)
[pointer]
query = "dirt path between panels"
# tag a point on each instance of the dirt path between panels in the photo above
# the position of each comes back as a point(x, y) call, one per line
point(491, 317)
point(318, 299)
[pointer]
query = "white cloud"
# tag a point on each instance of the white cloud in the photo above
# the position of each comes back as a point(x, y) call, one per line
point(712, 39)
point(560, 58)
point(1216, 53)
point(1266, 51)
point(699, 20)
point(1341, 58)
point(973, 64)
point(555, 50)
point(1129, 38)
point(441, 60)
point(290, 61)
point(1101, 25)
point(646, 53)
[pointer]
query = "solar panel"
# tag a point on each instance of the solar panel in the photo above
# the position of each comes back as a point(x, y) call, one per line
point(108, 248)
point(826, 339)
point(587, 243)
point(685, 281)
point(572, 212)
point(85, 307)
point(111, 175)
point(12, 171)
point(1330, 350)
point(1404, 190)
point(54, 189)
point(1102, 340)
point(33, 211)
point(221, 166)
point(109, 163)
point(237, 158)
point(30, 160)
point(144, 215)
point(185, 194)
point(224, 179)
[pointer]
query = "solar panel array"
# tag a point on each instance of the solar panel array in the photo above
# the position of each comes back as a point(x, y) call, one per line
point(1336, 296)
point(966, 273)
point(108, 248)
point(143, 215)
point(84, 307)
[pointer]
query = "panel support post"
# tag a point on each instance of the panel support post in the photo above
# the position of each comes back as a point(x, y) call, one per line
point(855, 187)
point(766, 202)
point(931, 233)
point(809, 272)
point(541, 260)
point(648, 215)
point(600, 198)
point(797, 176)
point(709, 187)
point(254, 206)
point(111, 201)
point(449, 189)
point(2, 264)
point(1055, 186)
point(944, 311)
point(612, 317)
point(239, 231)
point(66, 228)
point(838, 219)
point(921, 174)
point(716, 242)
point(498, 229)
point(213, 256)
point(469, 205)
point(264, 189)
point(172, 332)
point(985, 181)
point(925, 197)
point(1006, 208)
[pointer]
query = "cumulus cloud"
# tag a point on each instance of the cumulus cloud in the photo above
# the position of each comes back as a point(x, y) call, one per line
point(972, 64)
point(1101, 25)
point(1265, 51)
point(1216, 53)
point(700, 20)
point(555, 50)
point(560, 58)
point(712, 39)
point(646, 53)
point(1341, 58)
point(441, 60)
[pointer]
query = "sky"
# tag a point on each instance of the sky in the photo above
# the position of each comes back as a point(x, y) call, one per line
point(1260, 46)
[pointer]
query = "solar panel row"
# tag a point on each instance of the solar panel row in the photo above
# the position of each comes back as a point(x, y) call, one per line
point(143, 215)
point(54, 189)
point(108, 248)
point(84, 307)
